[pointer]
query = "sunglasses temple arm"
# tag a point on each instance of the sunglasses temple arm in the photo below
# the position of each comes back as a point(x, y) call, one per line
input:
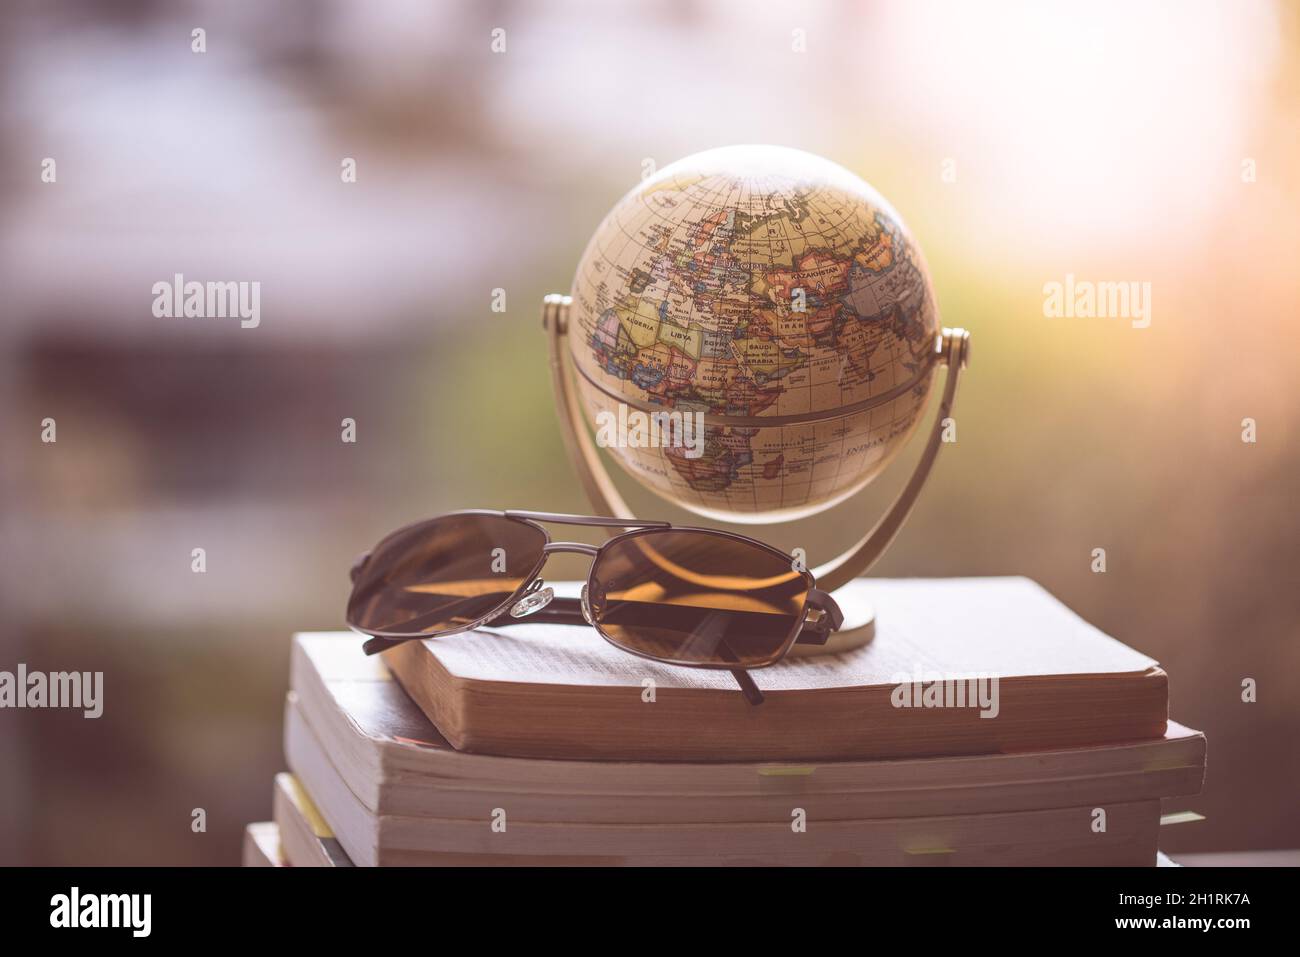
point(752, 694)
point(374, 646)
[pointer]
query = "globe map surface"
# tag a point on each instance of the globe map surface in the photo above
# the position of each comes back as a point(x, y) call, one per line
point(779, 295)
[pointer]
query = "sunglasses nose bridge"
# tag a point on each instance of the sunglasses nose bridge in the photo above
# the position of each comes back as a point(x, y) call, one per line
point(577, 548)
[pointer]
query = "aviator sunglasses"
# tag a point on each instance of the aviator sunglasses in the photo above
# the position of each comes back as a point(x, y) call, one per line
point(695, 597)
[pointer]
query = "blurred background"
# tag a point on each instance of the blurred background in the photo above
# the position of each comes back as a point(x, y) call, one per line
point(1152, 142)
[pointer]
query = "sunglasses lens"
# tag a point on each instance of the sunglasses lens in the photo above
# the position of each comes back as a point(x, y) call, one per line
point(692, 597)
point(444, 574)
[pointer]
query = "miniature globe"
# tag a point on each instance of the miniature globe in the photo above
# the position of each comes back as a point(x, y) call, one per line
point(771, 298)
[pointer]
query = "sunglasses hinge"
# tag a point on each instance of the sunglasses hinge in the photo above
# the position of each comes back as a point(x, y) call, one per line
point(816, 627)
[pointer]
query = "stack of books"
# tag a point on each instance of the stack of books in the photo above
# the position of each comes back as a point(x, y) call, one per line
point(985, 724)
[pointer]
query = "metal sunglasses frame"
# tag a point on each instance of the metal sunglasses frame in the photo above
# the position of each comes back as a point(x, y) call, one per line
point(817, 620)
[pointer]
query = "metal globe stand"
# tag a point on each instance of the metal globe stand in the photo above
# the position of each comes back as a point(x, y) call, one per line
point(951, 350)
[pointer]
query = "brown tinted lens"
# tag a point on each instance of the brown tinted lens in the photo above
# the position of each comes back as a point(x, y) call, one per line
point(444, 574)
point(692, 597)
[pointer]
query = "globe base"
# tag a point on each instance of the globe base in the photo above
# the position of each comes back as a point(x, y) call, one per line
point(858, 629)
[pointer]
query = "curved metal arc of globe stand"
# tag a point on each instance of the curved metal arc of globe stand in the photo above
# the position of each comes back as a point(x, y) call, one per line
point(952, 349)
